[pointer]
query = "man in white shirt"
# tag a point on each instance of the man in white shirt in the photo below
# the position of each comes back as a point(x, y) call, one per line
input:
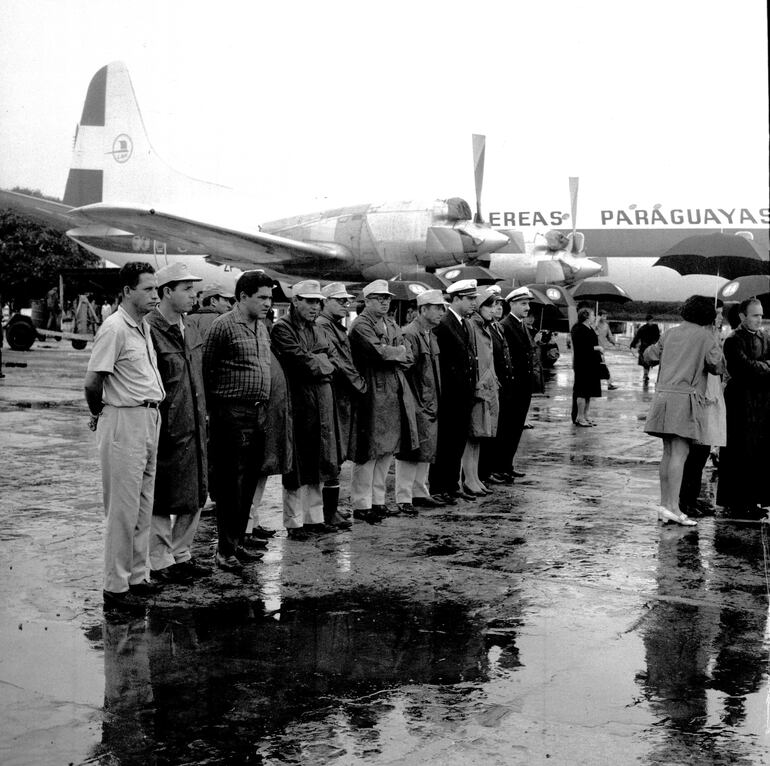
point(123, 389)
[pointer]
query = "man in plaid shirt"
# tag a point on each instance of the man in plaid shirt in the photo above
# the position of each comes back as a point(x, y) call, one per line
point(236, 368)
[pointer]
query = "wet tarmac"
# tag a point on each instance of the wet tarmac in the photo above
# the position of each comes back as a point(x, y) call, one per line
point(551, 622)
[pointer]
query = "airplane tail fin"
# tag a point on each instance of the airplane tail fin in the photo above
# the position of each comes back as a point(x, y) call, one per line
point(113, 160)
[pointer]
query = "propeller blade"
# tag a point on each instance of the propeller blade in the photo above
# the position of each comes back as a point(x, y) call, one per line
point(573, 195)
point(479, 148)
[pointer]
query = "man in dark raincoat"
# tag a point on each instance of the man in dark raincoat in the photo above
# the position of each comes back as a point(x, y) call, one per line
point(304, 353)
point(385, 419)
point(425, 381)
point(215, 300)
point(181, 477)
point(743, 463)
point(347, 383)
point(458, 385)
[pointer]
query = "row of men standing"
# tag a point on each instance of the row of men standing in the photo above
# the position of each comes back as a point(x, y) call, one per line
point(300, 408)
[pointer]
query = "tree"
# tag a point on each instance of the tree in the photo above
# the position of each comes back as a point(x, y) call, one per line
point(32, 255)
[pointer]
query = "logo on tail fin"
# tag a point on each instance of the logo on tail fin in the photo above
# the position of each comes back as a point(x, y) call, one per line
point(122, 148)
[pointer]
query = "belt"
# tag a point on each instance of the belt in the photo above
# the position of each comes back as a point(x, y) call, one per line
point(151, 405)
point(242, 402)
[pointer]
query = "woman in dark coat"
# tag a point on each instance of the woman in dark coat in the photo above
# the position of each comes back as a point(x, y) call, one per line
point(586, 363)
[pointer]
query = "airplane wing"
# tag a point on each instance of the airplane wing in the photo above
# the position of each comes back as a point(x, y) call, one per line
point(54, 214)
point(223, 244)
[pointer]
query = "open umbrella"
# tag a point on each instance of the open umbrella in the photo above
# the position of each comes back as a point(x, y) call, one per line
point(406, 290)
point(479, 273)
point(723, 255)
point(600, 290)
point(743, 288)
point(556, 294)
point(425, 278)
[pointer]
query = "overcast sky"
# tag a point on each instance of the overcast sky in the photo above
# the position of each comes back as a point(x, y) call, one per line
point(310, 104)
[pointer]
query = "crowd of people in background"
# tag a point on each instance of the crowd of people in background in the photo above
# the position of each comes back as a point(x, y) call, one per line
point(210, 404)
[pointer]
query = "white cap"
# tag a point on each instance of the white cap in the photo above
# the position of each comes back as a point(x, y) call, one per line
point(430, 298)
point(462, 287)
point(519, 294)
point(335, 290)
point(176, 272)
point(378, 287)
point(212, 289)
point(309, 288)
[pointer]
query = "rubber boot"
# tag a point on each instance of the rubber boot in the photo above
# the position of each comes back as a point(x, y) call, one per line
point(331, 496)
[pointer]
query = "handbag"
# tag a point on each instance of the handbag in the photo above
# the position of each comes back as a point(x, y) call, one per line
point(604, 371)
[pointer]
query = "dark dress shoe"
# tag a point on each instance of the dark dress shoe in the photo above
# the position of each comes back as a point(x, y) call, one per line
point(246, 557)
point(342, 524)
point(495, 478)
point(297, 533)
point(382, 511)
point(447, 499)
point(425, 502)
point(517, 474)
point(472, 492)
point(322, 528)
point(170, 576)
point(251, 541)
point(407, 508)
point(262, 533)
point(463, 496)
point(193, 569)
point(123, 602)
point(144, 589)
point(366, 514)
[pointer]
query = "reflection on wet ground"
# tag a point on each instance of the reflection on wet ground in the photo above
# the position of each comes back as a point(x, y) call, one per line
point(234, 674)
point(552, 622)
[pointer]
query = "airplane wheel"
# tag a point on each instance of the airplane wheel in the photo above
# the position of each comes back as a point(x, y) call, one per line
point(79, 345)
point(20, 335)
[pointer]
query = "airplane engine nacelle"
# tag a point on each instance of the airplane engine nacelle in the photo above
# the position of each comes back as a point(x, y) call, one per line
point(549, 272)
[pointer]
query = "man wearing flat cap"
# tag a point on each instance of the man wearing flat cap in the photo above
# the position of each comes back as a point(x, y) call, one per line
point(348, 385)
point(424, 377)
point(384, 418)
point(457, 359)
point(522, 352)
point(182, 475)
point(215, 299)
point(305, 355)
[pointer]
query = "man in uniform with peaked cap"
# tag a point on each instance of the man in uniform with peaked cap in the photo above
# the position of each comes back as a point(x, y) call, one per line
point(522, 352)
point(457, 363)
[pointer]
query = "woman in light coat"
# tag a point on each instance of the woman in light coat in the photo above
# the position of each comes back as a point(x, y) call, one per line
point(683, 410)
point(486, 406)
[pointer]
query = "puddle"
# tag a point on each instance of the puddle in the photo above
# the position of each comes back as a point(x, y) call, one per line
point(233, 675)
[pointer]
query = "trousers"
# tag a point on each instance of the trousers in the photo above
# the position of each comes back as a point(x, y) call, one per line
point(171, 538)
point(238, 443)
point(367, 486)
point(303, 505)
point(411, 480)
point(128, 447)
